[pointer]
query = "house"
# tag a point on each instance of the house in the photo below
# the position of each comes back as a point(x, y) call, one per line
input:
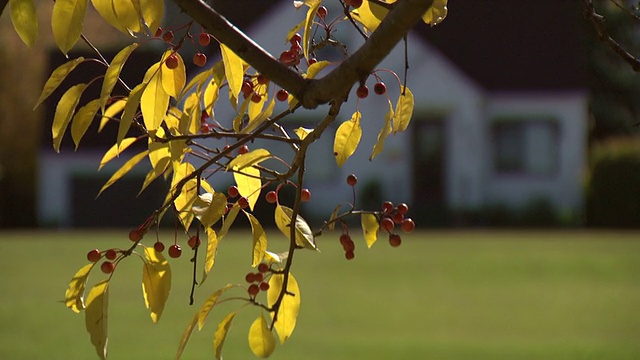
point(500, 117)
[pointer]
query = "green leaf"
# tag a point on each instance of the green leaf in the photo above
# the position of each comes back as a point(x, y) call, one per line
point(221, 335)
point(154, 101)
point(82, 120)
point(436, 13)
point(64, 112)
point(383, 134)
point(259, 240)
point(251, 158)
point(56, 78)
point(25, 20)
point(186, 335)
point(304, 235)
point(261, 340)
point(73, 297)
point(347, 138)
point(233, 69)
point(249, 184)
point(211, 301)
point(124, 170)
point(404, 110)
point(96, 316)
point(156, 282)
point(173, 80)
point(130, 110)
point(289, 307)
point(66, 22)
point(370, 228)
point(113, 73)
point(209, 208)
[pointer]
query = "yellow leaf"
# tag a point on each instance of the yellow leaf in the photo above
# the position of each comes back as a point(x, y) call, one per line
point(159, 153)
point(383, 134)
point(240, 117)
point(25, 20)
point(64, 111)
point(264, 115)
point(334, 215)
point(154, 101)
point(190, 120)
point(436, 13)
point(106, 10)
point(261, 339)
point(116, 150)
point(209, 208)
point(186, 335)
point(96, 316)
point(404, 110)
point(294, 29)
point(210, 257)
point(251, 158)
point(273, 258)
point(111, 112)
point(113, 73)
point(73, 296)
point(370, 15)
point(249, 184)
point(128, 14)
point(315, 68)
point(184, 202)
point(255, 108)
point(259, 240)
point(156, 282)
point(130, 110)
point(123, 170)
point(289, 307)
point(221, 335)
point(211, 301)
point(228, 220)
point(347, 138)
point(82, 120)
point(304, 235)
point(173, 80)
point(233, 70)
point(152, 13)
point(66, 22)
point(211, 93)
point(57, 76)
point(308, 23)
point(302, 132)
point(370, 228)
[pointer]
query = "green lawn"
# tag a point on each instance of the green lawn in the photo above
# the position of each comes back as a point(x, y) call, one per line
point(441, 295)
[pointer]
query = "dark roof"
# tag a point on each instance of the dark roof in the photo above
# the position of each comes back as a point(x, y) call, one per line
point(515, 44)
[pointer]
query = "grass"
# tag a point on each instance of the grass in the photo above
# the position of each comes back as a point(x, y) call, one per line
point(441, 295)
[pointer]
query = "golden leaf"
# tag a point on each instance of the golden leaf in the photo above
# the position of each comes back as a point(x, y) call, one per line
point(228, 220)
point(173, 80)
point(261, 340)
point(233, 70)
point(57, 76)
point(210, 256)
point(156, 282)
point(64, 112)
point(66, 22)
point(209, 208)
point(152, 12)
point(130, 110)
point(249, 184)
point(113, 73)
point(302, 132)
point(251, 158)
point(308, 23)
point(123, 170)
point(304, 235)
point(96, 316)
point(116, 150)
point(404, 110)
point(106, 9)
point(154, 101)
point(73, 297)
point(383, 134)
point(128, 14)
point(370, 15)
point(25, 20)
point(259, 240)
point(82, 120)
point(211, 301)
point(347, 138)
point(370, 227)
point(186, 335)
point(221, 335)
point(289, 307)
point(436, 13)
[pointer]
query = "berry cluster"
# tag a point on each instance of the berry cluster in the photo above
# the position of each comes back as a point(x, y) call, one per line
point(172, 62)
point(272, 196)
point(363, 91)
point(108, 266)
point(348, 245)
point(395, 215)
point(257, 280)
point(292, 56)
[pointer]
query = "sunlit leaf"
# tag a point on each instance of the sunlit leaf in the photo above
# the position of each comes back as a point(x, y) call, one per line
point(347, 138)
point(156, 282)
point(261, 340)
point(154, 101)
point(233, 69)
point(152, 13)
point(240, 117)
point(249, 184)
point(315, 68)
point(66, 22)
point(113, 73)
point(264, 115)
point(334, 215)
point(436, 13)
point(211, 301)
point(255, 108)
point(210, 256)
point(259, 240)
point(370, 228)
point(304, 235)
point(383, 134)
point(302, 132)
point(290, 306)
point(404, 110)
point(308, 24)
point(111, 112)
point(188, 193)
point(209, 208)
point(251, 158)
point(57, 76)
point(116, 150)
point(370, 15)
point(82, 120)
point(186, 335)
point(273, 258)
point(130, 110)
point(73, 297)
point(294, 30)
point(25, 20)
point(173, 80)
point(221, 335)
point(228, 220)
point(128, 14)
point(106, 9)
point(124, 170)
point(64, 112)
point(96, 316)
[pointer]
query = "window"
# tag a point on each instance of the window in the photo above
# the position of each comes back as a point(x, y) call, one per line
point(525, 146)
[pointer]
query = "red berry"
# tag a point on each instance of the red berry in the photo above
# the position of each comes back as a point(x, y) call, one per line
point(349, 255)
point(312, 61)
point(243, 202)
point(263, 268)
point(387, 224)
point(354, 3)
point(168, 36)
point(322, 12)
point(305, 195)
point(352, 180)
point(262, 79)
point(111, 254)
point(344, 238)
point(271, 197)
point(107, 267)
point(282, 95)
point(288, 57)
point(387, 207)
point(380, 88)
point(347, 243)
point(233, 191)
point(408, 225)
point(256, 98)
point(200, 59)
point(135, 235)
point(158, 32)
point(205, 128)
point(395, 240)
point(295, 49)
point(403, 208)
point(175, 251)
point(264, 286)
point(254, 290)
point(243, 149)
point(247, 88)
point(204, 39)
point(172, 61)
point(93, 255)
point(158, 246)
point(249, 278)
point(362, 91)
point(258, 277)
point(398, 218)
point(194, 242)
point(296, 38)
